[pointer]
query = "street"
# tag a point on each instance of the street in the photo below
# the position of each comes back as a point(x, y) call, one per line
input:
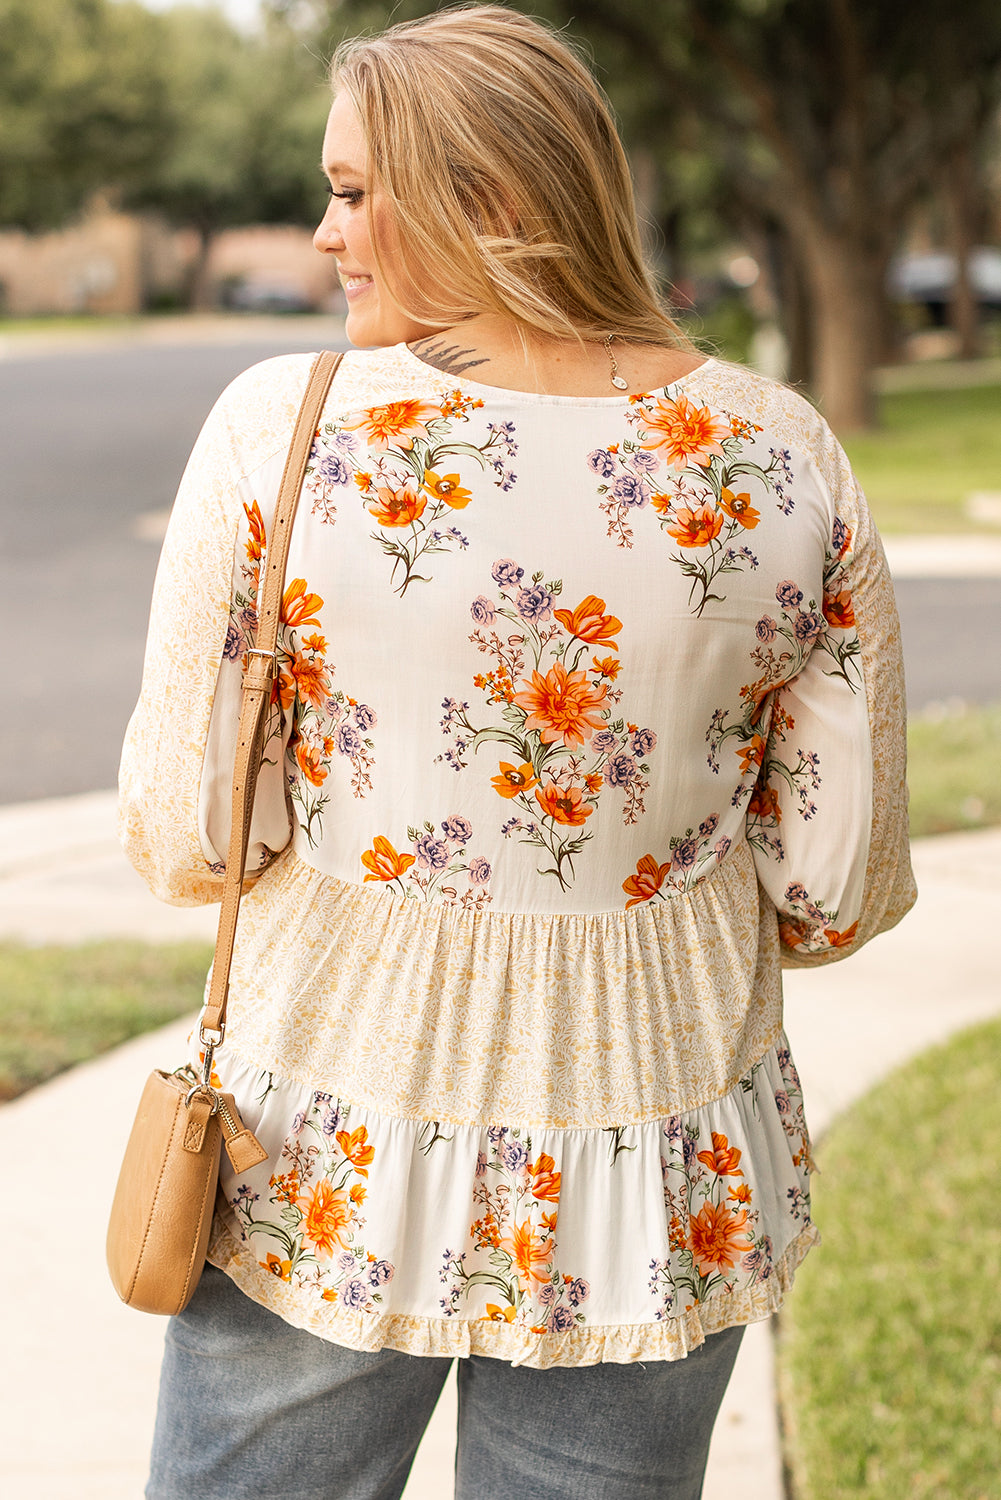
point(95, 441)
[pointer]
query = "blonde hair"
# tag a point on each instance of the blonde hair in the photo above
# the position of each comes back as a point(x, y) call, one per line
point(499, 155)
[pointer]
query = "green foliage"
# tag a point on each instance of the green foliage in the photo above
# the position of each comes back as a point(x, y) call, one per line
point(60, 1006)
point(82, 103)
point(930, 451)
point(954, 769)
point(890, 1347)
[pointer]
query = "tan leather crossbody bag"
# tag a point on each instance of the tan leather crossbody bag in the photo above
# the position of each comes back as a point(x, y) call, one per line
point(162, 1211)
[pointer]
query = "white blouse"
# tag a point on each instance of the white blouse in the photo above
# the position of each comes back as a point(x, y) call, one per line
point(590, 716)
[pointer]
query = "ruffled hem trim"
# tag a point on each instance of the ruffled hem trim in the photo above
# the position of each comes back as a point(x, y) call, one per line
point(670, 1339)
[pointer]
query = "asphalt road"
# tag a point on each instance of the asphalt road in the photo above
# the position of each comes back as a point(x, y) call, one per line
point(93, 441)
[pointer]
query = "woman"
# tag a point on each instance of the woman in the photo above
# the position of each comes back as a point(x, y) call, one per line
point(589, 717)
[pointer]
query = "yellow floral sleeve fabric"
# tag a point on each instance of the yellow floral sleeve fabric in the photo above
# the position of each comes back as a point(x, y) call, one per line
point(588, 717)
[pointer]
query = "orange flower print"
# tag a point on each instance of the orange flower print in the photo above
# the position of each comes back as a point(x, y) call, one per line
point(723, 1158)
point(647, 881)
point(280, 1268)
point(741, 1193)
point(662, 503)
point(364, 482)
point(606, 666)
point(358, 1193)
point(446, 487)
point(588, 622)
point(532, 1256)
point(310, 761)
point(256, 542)
point(384, 862)
point(356, 1148)
point(564, 804)
point(311, 683)
point(562, 706)
point(695, 528)
point(546, 1182)
point(394, 425)
point(593, 781)
point(676, 1233)
point(718, 1238)
point(315, 643)
point(326, 1215)
point(739, 508)
point(750, 755)
point(684, 433)
point(299, 607)
point(397, 507)
point(514, 779)
point(495, 1314)
point(841, 939)
point(764, 804)
point(838, 610)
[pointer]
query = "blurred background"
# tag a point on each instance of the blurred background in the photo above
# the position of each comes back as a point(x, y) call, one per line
point(820, 185)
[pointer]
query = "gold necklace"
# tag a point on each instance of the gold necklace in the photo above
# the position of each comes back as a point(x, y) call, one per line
point(617, 380)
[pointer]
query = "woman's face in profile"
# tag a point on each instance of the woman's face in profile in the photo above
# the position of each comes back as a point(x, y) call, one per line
point(373, 320)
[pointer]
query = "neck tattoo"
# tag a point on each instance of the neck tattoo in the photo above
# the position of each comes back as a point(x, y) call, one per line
point(616, 378)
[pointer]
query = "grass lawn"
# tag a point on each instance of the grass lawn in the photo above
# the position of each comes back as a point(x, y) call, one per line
point(59, 1006)
point(890, 1347)
point(933, 450)
point(954, 771)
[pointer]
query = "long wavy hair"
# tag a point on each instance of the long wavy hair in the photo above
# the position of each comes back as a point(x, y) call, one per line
point(504, 171)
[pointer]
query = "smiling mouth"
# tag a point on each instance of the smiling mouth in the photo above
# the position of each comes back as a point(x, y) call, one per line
point(353, 285)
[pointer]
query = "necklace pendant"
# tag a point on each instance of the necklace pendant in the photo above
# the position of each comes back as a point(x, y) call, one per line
point(619, 383)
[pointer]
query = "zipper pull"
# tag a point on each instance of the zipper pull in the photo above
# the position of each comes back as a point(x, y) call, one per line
point(242, 1146)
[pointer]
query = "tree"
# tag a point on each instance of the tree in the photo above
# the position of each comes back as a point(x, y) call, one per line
point(245, 121)
point(82, 104)
point(828, 119)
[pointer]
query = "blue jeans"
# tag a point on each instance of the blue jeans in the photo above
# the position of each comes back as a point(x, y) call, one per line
point(251, 1407)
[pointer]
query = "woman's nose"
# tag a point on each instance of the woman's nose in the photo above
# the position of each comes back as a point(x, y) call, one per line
point(328, 237)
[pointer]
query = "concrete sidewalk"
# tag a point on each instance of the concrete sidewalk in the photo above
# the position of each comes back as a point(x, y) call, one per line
point(74, 1354)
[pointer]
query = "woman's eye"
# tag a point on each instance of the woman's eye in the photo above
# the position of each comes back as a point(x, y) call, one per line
point(351, 196)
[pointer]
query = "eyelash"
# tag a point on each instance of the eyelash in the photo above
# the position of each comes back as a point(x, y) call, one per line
point(351, 196)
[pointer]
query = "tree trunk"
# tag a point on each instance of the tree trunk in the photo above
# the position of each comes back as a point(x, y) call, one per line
point(961, 197)
point(846, 309)
point(200, 298)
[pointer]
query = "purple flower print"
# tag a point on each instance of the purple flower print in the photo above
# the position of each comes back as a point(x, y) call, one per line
point(345, 1261)
point(631, 491)
point(839, 536)
point(347, 739)
point(685, 854)
point(547, 1295)
point(496, 1133)
point(672, 1127)
point(643, 741)
point(789, 594)
point(330, 1122)
point(354, 1293)
point(708, 828)
point(457, 829)
point(807, 626)
point(233, 647)
point(721, 848)
point(690, 1152)
point(562, 1320)
point(782, 1102)
point(601, 462)
point(479, 870)
point(620, 770)
point(604, 741)
point(506, 573)
point(765, 629)
point(380, 1273)
point(333, 469)
point(432, 854)
point(514, 1155)
point(796, 892)
point(644, 462)
point(481, 1164)
point(248, 619)
point(365, 717)
point(578, 1291)
point(483, 611)
point(534, 604)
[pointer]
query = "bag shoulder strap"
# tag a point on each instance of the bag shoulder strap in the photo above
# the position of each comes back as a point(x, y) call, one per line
point(260, 670)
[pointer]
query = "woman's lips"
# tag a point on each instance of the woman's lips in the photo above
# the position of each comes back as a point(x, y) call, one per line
point(354, 286)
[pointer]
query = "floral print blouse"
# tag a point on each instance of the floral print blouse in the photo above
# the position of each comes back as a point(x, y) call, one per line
point(589, 717)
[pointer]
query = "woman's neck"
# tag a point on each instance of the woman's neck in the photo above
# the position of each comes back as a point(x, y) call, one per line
point(493, 351)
